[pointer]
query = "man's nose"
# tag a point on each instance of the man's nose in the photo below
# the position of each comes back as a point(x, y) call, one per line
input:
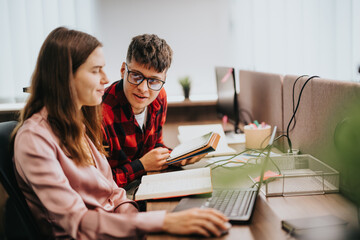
point(143, 87)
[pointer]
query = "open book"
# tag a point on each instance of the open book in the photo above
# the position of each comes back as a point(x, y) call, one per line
point(187, 132)
point(175, 184)
point(196, 146)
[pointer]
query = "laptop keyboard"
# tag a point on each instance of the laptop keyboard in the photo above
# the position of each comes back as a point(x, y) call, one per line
point(231, 202)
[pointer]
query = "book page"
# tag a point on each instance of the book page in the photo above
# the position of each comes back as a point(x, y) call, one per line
point(187, 132)
point(172, 176)
point(177, 187)
point(174, 184)
point(190, 145)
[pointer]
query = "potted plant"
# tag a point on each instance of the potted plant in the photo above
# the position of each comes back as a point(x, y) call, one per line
point(185, 83)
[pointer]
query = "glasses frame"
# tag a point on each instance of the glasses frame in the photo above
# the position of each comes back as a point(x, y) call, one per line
point(143, 79)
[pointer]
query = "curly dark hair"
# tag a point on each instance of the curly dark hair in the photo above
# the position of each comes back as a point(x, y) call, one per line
point(151, 51)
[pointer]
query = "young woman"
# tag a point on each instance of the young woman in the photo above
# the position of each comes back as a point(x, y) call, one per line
point(59, 159)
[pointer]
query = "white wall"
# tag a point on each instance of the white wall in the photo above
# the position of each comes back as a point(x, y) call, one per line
point(197, 31)
point(289, 37)
point(319, 37)
point(24, 25)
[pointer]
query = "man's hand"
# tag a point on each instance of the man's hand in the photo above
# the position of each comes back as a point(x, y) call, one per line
point(155, 160)
point(190, 160)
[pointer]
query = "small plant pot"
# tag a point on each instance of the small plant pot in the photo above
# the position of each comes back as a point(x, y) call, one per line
point(186, 92)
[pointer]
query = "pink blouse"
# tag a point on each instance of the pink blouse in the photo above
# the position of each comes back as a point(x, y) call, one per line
point(70, 201)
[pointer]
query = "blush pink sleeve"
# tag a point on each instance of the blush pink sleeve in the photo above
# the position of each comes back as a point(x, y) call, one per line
point(36, 158)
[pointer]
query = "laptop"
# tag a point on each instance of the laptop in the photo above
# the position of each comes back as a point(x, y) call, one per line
point(235, 203)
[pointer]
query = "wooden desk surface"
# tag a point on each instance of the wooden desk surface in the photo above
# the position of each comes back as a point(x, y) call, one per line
point(268, 213)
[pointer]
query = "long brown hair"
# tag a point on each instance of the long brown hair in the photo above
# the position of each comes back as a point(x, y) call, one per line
point(60, 56)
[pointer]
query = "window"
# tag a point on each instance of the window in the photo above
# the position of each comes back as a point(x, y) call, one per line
point(24, 24)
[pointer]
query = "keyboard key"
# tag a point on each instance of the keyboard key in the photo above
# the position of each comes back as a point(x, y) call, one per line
point(230, 202)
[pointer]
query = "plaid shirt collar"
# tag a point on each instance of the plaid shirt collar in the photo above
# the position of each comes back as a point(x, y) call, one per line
point(125, 105)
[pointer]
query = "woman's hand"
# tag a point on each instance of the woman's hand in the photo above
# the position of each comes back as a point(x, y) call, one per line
point(205, 222)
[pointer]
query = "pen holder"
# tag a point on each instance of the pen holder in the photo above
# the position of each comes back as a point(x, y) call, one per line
point(257, 138)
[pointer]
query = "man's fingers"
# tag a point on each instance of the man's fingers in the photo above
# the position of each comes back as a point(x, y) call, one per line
point(162, 150)
point(165, 166)
point(194, 159)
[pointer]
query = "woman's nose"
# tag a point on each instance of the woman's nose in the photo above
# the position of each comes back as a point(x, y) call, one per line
point(104, 79)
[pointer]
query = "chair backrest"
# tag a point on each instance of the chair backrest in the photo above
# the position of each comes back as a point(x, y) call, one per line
point(261, 97)
point(17, 211)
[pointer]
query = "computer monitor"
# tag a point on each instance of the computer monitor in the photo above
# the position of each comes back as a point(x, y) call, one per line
point(227, 103)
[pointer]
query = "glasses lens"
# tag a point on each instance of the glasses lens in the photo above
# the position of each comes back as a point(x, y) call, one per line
point(155, 84)
point(135, 78)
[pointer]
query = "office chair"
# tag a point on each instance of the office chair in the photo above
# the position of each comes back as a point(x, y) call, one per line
point(19, 221)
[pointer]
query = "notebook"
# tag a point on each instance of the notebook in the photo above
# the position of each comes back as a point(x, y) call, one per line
point(315, 226)
point(235, 203)
point(187, 132)
point(196, 146)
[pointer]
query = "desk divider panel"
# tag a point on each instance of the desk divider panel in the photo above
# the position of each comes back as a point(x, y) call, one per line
point(261, 97)
point(324, 104)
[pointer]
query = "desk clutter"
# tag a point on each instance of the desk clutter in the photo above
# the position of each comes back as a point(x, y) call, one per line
point(288, 175)
point(275, 99)
point(257, 135)
point(285, 174)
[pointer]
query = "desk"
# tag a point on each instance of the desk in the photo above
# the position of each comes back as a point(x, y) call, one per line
point(268, 213)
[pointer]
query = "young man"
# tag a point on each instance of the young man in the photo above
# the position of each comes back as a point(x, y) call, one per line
point(134, 111)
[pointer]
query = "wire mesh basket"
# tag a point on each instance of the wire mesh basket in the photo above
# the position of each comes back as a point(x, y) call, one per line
point(298, 175)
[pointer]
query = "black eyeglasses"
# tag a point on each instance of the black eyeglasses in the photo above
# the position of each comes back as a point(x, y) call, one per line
point(137, 78)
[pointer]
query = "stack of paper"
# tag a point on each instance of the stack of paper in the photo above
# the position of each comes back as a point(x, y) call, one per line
point(187, 132)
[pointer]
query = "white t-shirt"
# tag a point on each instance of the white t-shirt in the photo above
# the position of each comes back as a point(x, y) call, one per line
point(141, 119)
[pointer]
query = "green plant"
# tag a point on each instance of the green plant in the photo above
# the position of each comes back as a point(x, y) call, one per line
point(185, 82)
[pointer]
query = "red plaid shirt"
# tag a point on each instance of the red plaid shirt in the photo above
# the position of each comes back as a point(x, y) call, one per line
point(125, 140)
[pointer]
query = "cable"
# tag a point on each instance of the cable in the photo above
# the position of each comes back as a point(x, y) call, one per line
point(293, 99)
point(297, 107)
point(241, 110)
